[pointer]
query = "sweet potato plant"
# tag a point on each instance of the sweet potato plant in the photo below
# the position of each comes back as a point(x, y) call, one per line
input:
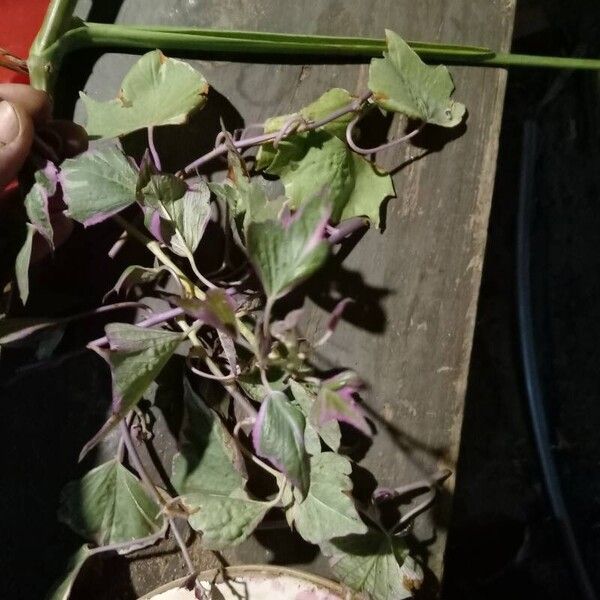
point(233, 325)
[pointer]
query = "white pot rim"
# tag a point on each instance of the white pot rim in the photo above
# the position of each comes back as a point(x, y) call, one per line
point(270, 571)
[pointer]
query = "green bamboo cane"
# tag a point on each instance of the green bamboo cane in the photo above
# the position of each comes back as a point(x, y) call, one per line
point(61, 34)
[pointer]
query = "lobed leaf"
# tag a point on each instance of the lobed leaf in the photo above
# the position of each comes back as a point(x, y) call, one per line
point(278, 435)
point(374, 563)
point(318, 163)
point(98, 184)
point(402, 82)
point(327, 511)
point(209, 475)
point(156, 91)
point(109, 505)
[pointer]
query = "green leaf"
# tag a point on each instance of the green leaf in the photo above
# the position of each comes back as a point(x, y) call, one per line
point(329, 432)
point(209, 475)
point(327, 511)
point(22, 264)
point(286, 256)
point(136, 356)
point(278, 435)
point(402, 82)
point(247, 198)
point(216, 310)
point(137, 275)
point(374, 563)
point(329, 102)
point(320, 164)
point(225, 519)
point(98, 184)
point(186, 210)
point(109, 505)
point(156, 91)
point(62, 589)
point(252, 385)
point(37, 199)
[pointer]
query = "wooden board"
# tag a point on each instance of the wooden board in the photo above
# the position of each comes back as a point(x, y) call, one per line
point(417, 284)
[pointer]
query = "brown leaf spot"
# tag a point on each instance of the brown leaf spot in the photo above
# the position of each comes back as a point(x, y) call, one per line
point(162, 58)
point(125, 102)
point(412, 585)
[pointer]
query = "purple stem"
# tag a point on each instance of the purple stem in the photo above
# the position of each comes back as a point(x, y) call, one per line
point(346, 228)
point(153, 151)
point(138, 543)
point(365, 151)
point(136, 462)
point(242, 144)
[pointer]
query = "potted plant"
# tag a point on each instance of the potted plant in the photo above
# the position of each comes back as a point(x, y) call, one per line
point(235, 327)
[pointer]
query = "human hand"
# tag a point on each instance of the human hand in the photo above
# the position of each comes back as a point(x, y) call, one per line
point(27, 129)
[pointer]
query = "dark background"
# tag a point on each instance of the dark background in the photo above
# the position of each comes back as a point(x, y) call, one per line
point(502, 541)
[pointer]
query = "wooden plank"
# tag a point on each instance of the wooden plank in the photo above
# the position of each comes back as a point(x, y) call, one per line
point(417, 284)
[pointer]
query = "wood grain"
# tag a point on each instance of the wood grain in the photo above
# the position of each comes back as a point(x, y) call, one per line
point(417, 283)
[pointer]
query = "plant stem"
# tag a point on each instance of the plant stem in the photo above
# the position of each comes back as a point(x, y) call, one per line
point(155, 319)
point(138, 543)
point(152, 147)
point(367, 151)
point(284, 131)
point(139, 467)
point(154, 247)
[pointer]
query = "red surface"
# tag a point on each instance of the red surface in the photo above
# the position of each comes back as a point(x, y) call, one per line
point(19, 24)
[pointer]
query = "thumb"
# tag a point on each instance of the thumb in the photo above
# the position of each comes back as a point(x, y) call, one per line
point(16, 136)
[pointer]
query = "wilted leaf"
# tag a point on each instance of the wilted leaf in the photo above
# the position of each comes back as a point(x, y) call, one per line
point(156, 91)
point(109, 505)
point(137, 275)
point(209, 475)
point(402, 82)
point(216, 310)
point(374, 563)
point(246, 198)
point(278, 435)
point(136, 357)
point(335, 402)
point(62, 589)
point(22, 264)
point(327, 511)
point(186, 211)
point(37, 200)
point(98, 184)
point(318, 163)
point(329, 431)
point(285, 256)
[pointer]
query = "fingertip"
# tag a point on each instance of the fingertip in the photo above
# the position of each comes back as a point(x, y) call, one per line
point(36, 103)
point(16, 136)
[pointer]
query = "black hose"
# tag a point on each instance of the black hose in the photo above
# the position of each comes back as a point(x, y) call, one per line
point(531, 372)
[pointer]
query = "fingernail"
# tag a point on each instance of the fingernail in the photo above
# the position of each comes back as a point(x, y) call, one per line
point(9, 123)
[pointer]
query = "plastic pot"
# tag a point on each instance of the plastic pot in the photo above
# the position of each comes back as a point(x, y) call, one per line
point(254, 582)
